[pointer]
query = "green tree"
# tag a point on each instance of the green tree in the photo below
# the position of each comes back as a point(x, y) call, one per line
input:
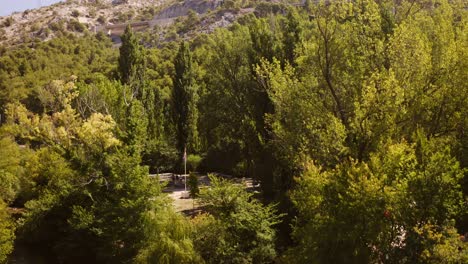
point(193, 185)
point(292, 35)
point(372, 212)
point(441, 244)
point(169, 239)
point(132, 63)
point(160, 151)
point(92, 195)
point(224, 104)
point(7, 233)
point(239, 230)
point(10, 170)
point(136, 127)
point(24, 72)
point(185, 101)
point(193, 162)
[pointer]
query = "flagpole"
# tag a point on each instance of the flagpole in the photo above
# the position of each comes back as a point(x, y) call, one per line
point(185, 167)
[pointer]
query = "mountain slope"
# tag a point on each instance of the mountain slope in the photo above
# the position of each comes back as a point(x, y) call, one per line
point(73, 16)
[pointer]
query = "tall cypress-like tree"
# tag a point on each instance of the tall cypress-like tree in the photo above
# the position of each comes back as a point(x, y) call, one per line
point(184, 100)
point(132, 63)
point(291, 36)
point(137, 126)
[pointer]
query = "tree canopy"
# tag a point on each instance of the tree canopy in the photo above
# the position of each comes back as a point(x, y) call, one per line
point(349, 117)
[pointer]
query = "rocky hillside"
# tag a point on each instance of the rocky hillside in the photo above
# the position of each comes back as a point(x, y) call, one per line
point(77, 16)
point(161, 19)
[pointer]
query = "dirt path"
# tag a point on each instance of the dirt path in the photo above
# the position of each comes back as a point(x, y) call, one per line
point(188, 206)
point(181, 200)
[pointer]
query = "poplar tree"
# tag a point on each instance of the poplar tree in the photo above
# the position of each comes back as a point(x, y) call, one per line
point(184, 100)
point(132, 63)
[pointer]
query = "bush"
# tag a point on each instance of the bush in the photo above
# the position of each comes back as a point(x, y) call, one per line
point(8, 22)
point(26, 12)
point(193, 161)
point(35, 27)
point(264, 8)
point(76, 26)
point(193, 185)
point(56, 26)
point(229, 4)
point(75, 13)
point(46, 32)
point(101, 19)
point(239, 229)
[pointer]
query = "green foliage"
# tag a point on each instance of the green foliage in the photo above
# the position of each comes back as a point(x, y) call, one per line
point(378, 208)
point(232, 103)
point(341, 211)
point(373, 92)
point(136, 127)
point(102, 96)
point(23, 70)
point(441, 244)
point(169, 240)
point(75, 13)
point(7, 233)
point(131, 61)
point(320, 136)
point(190, 23)
point(10, 169)
point(56, 26)
point(75, 25)
point(101, 19)
point(91, 194)
point(193, 161)
point(184, 101)
point(292, 36)
point(193, 185)
point(240, 229)
point(266, 8)
point(8, 22)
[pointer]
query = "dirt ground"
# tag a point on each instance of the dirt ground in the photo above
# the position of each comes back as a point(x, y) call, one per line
point(181, 198)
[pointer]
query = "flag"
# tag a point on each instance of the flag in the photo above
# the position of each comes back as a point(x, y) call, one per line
point(185, 154)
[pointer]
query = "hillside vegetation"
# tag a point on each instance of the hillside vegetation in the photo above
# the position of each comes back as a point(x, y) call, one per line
point(351, 116)
point(159, 19)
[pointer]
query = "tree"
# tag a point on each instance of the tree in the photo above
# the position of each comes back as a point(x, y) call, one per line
point(10, 170)
point(170, 239)
point(92, 195)
point(136, 127)
point(292, 35)
point(224, 104)
point(184, 101)
point(193, 185)
point(132, 63)
point(239, 228)
point(7, 233)
point(376, 211)
point(24, 72)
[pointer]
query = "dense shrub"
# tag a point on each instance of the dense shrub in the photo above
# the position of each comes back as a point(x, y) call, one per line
point(75, 25)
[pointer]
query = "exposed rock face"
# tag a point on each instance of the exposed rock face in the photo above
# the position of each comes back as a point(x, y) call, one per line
point(72, 16)
point(108, 16)
point(181, 9)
